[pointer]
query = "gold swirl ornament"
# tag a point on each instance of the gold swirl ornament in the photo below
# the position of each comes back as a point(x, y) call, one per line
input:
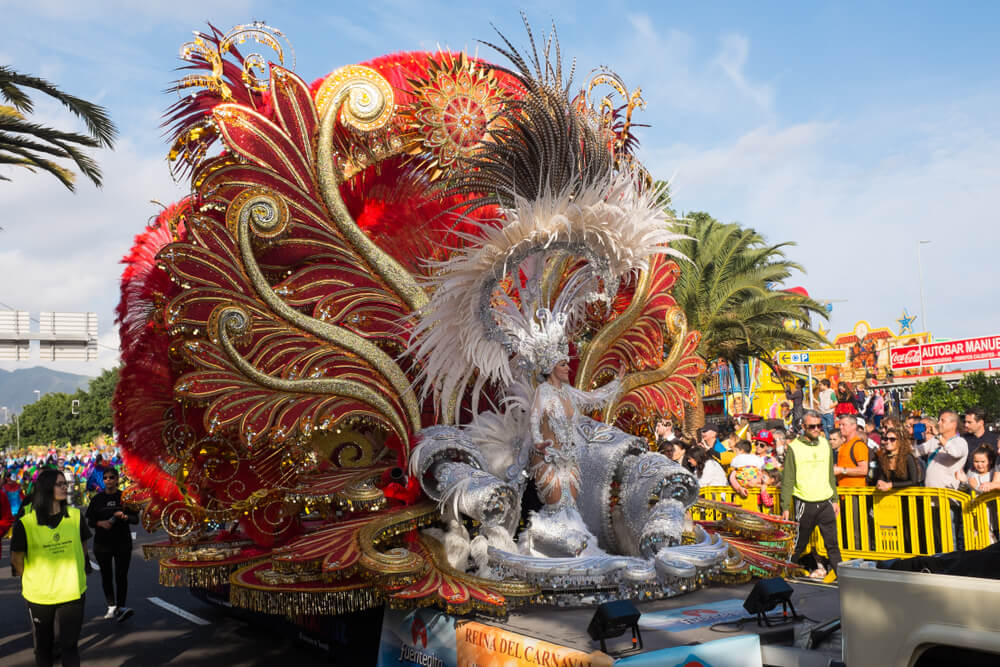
point(367, 102)
point(367, 98)
point(676, 324)
point(396, 566)
point(268, 213)
point(264, 212)
point(233, 322)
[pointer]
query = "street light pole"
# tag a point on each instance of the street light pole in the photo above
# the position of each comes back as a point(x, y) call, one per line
point(920, 274)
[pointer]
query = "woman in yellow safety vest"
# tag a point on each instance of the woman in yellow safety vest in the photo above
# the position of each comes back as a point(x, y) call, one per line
point(49, 552)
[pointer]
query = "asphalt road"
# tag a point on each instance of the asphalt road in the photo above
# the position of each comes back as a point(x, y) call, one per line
point(200, 634)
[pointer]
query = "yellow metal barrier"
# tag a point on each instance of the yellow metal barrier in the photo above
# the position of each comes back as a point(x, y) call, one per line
point(753, 502)
point(896, 524)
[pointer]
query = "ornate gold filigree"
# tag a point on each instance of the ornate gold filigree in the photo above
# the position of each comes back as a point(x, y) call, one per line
point(455, 107)
point(366, 97)
point(676, 324)
point(379, 262)
point(233, 320)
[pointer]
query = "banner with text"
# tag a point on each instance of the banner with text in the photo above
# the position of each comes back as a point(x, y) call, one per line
point(481, 645)
point(950, 352)
point(417, 637)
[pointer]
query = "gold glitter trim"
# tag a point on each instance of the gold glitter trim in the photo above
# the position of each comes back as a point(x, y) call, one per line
point(677, 326)
point(611, 331)
point(380, 262)
point(344, 338)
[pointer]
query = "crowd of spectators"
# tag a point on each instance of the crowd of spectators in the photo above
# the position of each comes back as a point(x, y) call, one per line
point(81, 466)
point(953, 451)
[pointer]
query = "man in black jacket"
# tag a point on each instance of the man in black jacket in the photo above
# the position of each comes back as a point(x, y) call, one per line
point(112, 543)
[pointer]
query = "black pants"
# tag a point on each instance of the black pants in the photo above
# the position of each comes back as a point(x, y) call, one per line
point(810, 515)
point(43, 618)
point(118, 581)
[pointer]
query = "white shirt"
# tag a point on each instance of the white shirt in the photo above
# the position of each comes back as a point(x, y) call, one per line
point(713, 474)
point(827, 401)
point(746, 461)
point(947, 459)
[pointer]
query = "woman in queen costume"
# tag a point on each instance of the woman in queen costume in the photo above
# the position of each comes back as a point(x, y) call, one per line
point(558, 529)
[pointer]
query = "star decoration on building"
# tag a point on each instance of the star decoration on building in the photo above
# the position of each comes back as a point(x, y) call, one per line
point(906, 323)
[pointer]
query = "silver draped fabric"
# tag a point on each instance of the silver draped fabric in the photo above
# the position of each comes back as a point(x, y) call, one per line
point(583, 551)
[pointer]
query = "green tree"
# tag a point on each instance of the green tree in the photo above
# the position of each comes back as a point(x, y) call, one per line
point(984, 392)
point(729, 293)
point(54, 418)
point(932, 397)
point(34, 146)
point(664, 198)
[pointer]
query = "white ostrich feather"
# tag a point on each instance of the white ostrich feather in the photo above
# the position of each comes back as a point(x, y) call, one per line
point(464, 335)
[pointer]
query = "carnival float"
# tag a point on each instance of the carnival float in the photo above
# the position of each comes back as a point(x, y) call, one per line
point(403, 342)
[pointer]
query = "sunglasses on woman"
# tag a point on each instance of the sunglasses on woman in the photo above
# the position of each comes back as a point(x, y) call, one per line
point(891, 439)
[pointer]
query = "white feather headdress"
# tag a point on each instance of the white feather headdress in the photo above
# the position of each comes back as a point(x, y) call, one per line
point(488, 313)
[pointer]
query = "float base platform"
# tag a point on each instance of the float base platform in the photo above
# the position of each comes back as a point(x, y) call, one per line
point(696, 621)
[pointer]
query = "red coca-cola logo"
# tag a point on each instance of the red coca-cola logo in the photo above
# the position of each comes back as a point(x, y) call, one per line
point(906, 357)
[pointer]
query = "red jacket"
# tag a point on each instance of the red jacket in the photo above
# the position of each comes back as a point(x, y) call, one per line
point(6, 518)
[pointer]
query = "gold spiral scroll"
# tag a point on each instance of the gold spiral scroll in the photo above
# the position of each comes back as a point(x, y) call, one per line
point(340, 336)
point(234, 321)
point(267, 213)
point(368, 112)
point(611, 331)
point(676, 324)
point(366, 96)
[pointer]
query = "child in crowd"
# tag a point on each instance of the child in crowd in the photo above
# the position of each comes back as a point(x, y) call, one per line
point(747, 472)
point(981, 478)
point(765, 442)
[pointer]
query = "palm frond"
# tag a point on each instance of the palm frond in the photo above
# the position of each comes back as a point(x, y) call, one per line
point(730, 292)
point(95, 117)
point(24, 158)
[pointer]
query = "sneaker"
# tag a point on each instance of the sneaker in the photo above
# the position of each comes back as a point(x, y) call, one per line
point(124, 613)
point(831, 577)
point(111, 613)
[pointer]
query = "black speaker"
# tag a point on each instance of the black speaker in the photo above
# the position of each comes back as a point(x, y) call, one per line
point(612, 619)
point(768, 594)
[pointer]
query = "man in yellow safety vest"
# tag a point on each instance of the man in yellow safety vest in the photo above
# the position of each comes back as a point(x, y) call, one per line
point(808, 485)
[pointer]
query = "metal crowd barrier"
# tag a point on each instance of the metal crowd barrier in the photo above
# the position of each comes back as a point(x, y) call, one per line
point(907, 522)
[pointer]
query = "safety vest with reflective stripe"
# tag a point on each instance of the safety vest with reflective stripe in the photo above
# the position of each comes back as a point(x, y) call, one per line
point(53, 567)
point(812, 470)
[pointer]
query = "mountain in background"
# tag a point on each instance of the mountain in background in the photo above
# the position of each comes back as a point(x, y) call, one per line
point(17, 388)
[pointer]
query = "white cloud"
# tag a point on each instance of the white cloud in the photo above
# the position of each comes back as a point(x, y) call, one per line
point(856, 211)
point(61, 251)
point(733, 59)
point(673, 75)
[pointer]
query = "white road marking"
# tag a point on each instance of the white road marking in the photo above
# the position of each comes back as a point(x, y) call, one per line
point(94, 565)
point(174, 609)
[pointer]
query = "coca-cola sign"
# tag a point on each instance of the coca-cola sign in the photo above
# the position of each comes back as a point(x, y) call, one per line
point(904, 357)
point(945, 352)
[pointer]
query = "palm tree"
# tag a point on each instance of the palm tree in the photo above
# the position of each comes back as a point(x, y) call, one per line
point(34, 146)
point(729, 294)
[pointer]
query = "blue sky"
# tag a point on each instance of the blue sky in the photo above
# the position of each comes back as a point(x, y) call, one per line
point(853, 130)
